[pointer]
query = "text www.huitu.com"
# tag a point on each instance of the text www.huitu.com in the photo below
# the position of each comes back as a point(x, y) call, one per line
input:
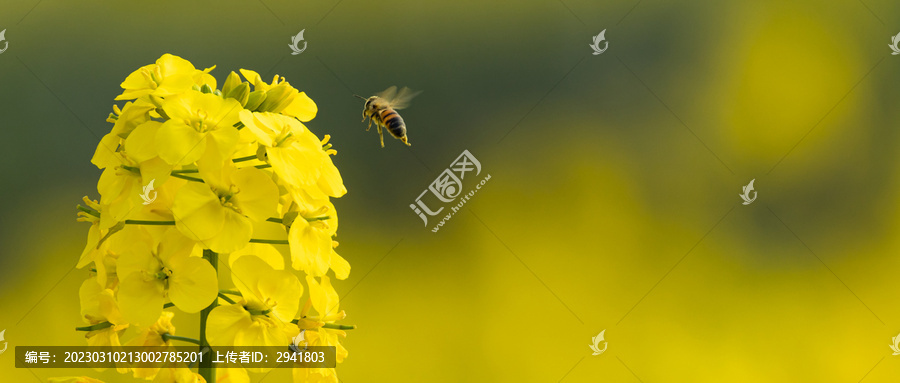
point(463, 199)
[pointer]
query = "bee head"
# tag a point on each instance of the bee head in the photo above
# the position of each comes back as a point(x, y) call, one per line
point(369, 101)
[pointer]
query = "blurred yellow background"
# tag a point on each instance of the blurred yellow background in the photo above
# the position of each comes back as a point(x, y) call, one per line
point(613, 200)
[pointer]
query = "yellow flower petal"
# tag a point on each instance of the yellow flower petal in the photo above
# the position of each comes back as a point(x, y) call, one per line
point(193, 284)
point(258, 195)
point(253, 78)
point(174, 246)
point(340, 266)
point(246, 274)
point(330, 181)
point(98, 304)
point(141, 298)
point(141, 145)
point(324, 298)
point(170, 64)
point(105, 154)
point(264, 251)
point(180, 144)
point(155, 170)
point(264, 332)
point(198, 213)
point(302, 107)
point(310, 251)
point(257, 124)
point(235, 234)
point(224, 323)
point(284, 290)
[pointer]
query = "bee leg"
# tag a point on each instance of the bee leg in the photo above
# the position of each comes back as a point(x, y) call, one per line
point(370, 124)
point(380, 134)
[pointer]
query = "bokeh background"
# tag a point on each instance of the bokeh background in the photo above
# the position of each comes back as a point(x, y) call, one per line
point(613, 200)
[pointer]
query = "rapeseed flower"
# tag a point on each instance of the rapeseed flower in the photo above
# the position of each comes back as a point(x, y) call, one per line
point(159, 269)
point(191, 172)
point(269, 301)
point(220, 212)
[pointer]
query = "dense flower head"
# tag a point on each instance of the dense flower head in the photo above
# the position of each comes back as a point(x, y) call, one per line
point(191, 172)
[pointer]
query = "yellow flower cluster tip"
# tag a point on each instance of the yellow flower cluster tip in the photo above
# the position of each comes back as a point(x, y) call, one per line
point(192, 172)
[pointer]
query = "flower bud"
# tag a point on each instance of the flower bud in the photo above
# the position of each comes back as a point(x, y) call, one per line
point(256, 97)
point(231, 82)
point(241, 93)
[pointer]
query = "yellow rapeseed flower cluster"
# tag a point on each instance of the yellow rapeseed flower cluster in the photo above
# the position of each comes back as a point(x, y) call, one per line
point(192, 172)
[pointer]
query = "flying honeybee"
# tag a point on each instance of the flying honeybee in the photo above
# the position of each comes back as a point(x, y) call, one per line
point(382, 109)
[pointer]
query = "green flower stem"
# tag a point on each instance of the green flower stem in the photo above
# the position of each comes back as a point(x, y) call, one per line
point(98, 326)
point(226, 298)
point(332, 325)
point(132, 169)
point(263, 166)
point(285, 138)
point(156, 223)
point(279, 220)
point(231, 292)
point(340, 326)
point(184, 177)
point(167, 305)
point(270, 241)
point(88, 210)
point(259, 312)
point(206, 369)
point(166, 337)
point(183, 171)
point(242, 159)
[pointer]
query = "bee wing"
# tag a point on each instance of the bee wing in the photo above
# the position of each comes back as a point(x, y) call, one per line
point(403, 97)
point(388, 93)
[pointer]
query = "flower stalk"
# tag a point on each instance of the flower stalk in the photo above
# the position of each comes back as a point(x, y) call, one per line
point(206, 368)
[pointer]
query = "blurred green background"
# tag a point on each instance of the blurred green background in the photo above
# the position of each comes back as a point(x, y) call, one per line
point(613, 200)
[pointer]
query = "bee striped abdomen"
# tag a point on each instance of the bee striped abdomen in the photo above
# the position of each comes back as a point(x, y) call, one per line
point(393, 122)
